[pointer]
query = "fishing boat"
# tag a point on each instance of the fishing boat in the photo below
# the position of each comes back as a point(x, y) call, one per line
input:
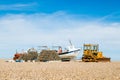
point(69, 53)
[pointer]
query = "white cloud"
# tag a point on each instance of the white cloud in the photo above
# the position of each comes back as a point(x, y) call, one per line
point(22, 31)
point(114, 16)
point(17, 6)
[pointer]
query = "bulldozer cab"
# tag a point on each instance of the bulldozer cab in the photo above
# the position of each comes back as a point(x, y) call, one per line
point(92, 47)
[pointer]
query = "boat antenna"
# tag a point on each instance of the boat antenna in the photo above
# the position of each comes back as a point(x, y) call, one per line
point(70, 42)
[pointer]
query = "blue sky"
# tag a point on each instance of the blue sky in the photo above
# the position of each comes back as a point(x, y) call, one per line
point(31, 23)
point(89, 7)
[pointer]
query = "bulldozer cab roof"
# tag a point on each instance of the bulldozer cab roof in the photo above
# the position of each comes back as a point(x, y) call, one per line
point(90, 44)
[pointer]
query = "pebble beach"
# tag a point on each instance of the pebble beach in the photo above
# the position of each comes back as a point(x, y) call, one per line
point(56, 70)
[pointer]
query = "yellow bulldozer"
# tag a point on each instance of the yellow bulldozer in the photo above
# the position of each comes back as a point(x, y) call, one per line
point(91, 53)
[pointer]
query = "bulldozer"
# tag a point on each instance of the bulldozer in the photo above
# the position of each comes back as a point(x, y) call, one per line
point(91, 53)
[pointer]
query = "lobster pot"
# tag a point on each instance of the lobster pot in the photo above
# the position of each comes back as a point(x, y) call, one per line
point(48, 55)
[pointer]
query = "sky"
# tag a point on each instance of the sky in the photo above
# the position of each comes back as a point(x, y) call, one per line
point(31, 23)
